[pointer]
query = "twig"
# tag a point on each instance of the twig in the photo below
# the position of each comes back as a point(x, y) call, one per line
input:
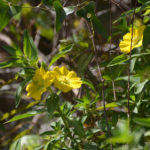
point(66, 1)
point(118, 5)
point(65, 21)
point(110, 32)
point(10, 132)
point(78, 2)
point(128, 113)
point(33, 7)
point(100, 75)
point(114, 90)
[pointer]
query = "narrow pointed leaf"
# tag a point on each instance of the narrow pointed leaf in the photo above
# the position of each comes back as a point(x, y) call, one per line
point(22, 116)
point(29, 48)
point(60, 14)
point(62, 53)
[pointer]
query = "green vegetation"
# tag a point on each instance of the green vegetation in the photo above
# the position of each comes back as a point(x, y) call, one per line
point(99, 99)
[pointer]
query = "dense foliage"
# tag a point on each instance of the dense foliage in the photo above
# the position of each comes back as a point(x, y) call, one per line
point(82, 74)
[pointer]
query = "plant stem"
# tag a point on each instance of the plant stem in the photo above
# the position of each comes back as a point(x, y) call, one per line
point(64, 121)
point(114, 90)
point(63, 117)
point(128, 104)
point(91, 31)
point(110, 43)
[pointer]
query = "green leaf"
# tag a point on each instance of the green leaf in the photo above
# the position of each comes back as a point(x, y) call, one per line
point(83, 61)
point(142, 121)
point(140, 87)
point(6, 13)
point(98, 27)
point(19, 91)
point(122, 134)
point(60, 14)
point(88, 9)
point(91, 147)
point(87, 12)
point(88, 83)
point(62, 53)
point(48, 133)
point(46, 32)
point(118, 60)
point(18, 145)
point(142, 1)
point(127, 13)
point(146, 39)
point(109, 105)
point(7, 64)
point(13, 51)
point(141, 54)
point(52, 102)
point(48, 2)
point(22, 116)
point(147, 12)
point(132, 65)
point(50, 145)
point(29, 48)
point(78, 127)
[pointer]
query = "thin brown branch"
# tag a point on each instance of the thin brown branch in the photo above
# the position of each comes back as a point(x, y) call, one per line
point(78, 2)
point(110, 32)
point(128, 112)
point(100, 75)
point(118, 5)
point(114, 90)
point(65, 3)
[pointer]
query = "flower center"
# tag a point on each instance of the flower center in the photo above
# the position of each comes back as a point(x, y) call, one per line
point(64, 80)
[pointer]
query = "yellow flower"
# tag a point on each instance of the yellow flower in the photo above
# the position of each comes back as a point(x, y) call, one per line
point(39, 84)
point(125, 44)
point(66, 80)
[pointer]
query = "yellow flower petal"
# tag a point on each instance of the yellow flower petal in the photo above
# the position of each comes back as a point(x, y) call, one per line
point(72, 74)
point(39, 84)
point(66, 80)
point(64, 70)
point(137, 38)
point(57, 70)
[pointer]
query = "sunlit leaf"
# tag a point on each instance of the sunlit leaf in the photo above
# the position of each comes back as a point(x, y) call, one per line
point(121, 134)
point(142, 121)
point(29, 48)
point(69, 10)
point(7, 64)
point(109, 105)
point(118, 60)
point(6, 13)
point(22, 116)
point(62, 53)
point(140, 86)
point(13, 51)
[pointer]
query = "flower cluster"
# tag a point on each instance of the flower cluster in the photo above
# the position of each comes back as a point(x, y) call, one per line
point(137, 38)
point(62, 78)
